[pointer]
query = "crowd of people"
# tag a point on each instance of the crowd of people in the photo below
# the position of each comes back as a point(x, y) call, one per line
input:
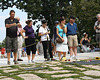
point(65, 39)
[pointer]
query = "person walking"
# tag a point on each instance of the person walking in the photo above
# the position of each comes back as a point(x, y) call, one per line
point(19, 42)
point(29, 40)
point(72, 38)
point(61, 30)
point(97, 29)
point(11, 36)
point(44, 33)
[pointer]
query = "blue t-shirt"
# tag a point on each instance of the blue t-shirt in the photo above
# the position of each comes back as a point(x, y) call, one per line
point(71, 29)
point(61, 31)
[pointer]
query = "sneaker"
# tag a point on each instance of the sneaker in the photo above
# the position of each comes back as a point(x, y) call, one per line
point(53, 60)
point(8, 62)
point(71, 59)
point(32, 61)
point(29, 61)
point(19, 60)
point(76, 58)
point(16, 62)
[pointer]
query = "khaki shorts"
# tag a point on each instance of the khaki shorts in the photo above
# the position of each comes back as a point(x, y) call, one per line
point(72, 41)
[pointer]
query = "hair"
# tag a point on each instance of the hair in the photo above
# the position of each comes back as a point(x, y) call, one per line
point(61, 19)
point(98, 15)
point(44, 21)
point(85, 35)
point(28, 22)
point(72, 17)
point(12, 11)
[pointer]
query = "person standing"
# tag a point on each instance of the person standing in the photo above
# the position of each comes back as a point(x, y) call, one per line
point(29, 40)
point(19, 42)
point(11, 36)
point(55, 36)
point(44, 33)
point(61, 30)
point(97, 29)
point(72, 38)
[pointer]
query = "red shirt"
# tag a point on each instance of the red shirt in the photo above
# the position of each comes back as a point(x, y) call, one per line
point(3, 51)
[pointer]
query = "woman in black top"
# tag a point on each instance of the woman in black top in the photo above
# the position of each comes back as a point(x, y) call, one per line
point(84, 42)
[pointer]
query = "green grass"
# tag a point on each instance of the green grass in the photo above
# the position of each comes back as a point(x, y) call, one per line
point(72, 70)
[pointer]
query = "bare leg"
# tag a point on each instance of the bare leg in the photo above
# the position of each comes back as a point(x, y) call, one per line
point(28, 57)
point(33, 55)
point(59, 55)
point(15, 56)
point(8, 56)
point(64, 53)
point(75, 51)
point(71, 51)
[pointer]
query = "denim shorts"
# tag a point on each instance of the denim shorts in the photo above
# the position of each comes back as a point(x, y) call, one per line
point(11, 44)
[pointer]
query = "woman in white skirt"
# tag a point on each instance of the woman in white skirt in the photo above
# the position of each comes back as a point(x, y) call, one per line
point(62, 48)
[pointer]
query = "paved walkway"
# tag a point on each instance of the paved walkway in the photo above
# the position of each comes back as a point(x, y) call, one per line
point(52, 70)
point(40, 58)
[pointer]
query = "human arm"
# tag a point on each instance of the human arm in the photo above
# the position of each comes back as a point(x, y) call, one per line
point(22, 31)
point(59, 35)
point(81, 41)
point(41, 32)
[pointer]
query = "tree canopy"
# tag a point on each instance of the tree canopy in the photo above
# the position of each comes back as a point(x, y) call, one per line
point(85, 11)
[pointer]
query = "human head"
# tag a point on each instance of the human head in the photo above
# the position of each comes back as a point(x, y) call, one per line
point(12, 14)
point(98, 17)
point(44, 23)
point(56, 23)
point(72, 19)
point(29, 23)
point(85, 35)
point(62, 20)
point(18, 18)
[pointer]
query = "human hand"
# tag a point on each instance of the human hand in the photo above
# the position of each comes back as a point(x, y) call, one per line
point(14, 24)
point(25, 37)
point(62, 39)
point(19, 25)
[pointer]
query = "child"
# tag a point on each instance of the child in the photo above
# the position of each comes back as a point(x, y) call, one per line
point(2, 52)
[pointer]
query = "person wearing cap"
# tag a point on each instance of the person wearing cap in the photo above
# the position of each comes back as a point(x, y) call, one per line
point(55, 35)
point(44, 33)
point(84, 42)
point(97, 29)
point(72, 38)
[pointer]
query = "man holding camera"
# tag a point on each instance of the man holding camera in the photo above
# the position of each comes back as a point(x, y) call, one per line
point(97, 29)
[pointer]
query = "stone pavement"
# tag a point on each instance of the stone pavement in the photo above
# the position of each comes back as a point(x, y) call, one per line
point(52, 70)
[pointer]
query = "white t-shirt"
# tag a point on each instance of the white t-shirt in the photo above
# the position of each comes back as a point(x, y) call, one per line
point(97, 24)
point(44, 30)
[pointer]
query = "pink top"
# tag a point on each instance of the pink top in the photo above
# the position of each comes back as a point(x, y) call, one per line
point(19, 30)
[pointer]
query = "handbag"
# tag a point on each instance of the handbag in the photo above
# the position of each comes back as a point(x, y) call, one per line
point(58, 39)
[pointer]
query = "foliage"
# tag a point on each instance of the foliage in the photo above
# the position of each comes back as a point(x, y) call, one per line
point(84, 10)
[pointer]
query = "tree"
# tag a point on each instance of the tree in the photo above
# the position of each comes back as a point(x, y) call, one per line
point(84, 10)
